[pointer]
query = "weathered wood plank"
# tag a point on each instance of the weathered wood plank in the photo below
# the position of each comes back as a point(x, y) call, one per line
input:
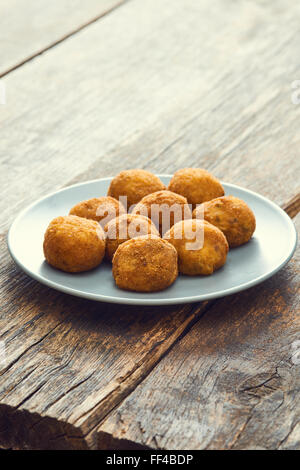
point(193, 101)
point(69, 361)
point(28, 28)
point(52, 385)
point(231, 383)
point(186, 113)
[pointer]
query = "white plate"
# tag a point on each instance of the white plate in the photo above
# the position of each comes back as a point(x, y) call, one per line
point(269, 250)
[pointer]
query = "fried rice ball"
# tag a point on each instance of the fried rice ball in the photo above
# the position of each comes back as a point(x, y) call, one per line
point(101, 209)
point(145, 264)
point(135, 184)
point(196, 184)
point(231, 215)
point(202, 248)
point(164, 208)
point(74, 244)
point(125, 227)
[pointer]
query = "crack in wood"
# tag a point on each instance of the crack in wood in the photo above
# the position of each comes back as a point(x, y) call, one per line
point(288, 434)
point(136, 375)
point(6, 369)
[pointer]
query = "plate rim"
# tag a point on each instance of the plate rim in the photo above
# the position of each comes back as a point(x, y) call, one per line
point(149, 301)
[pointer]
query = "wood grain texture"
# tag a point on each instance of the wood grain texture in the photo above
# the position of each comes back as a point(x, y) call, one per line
point(70, 361)
point(179, 86)
point(221, 89)
point(28, 28)
point(293, 206)
point(231, 383)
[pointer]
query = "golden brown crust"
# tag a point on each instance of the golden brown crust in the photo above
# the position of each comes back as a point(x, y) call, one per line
point(194, 257)
point(231, 215)
point(196, 184)
point(74, 244)
point(125, 227)
point(101, 209)
point(147, 206)
point(145, 265)
point(135, 184)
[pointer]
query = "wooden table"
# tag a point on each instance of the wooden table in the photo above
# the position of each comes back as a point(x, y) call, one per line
point(98, 86)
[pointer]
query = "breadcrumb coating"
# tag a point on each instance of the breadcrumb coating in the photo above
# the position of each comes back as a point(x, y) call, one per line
point(74, 244)
point(145, 265)
point(196, 184)
point(201, 247)
point(231, 215)
point(135, 184)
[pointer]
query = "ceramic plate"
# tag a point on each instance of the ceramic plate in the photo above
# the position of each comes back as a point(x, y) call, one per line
point(268, 251)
